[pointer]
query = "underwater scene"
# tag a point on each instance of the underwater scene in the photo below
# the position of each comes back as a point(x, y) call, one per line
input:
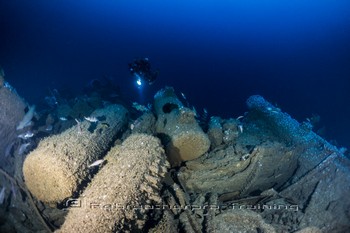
point(174, 116)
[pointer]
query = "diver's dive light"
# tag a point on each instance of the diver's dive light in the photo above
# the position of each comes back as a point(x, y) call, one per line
point(139, 82)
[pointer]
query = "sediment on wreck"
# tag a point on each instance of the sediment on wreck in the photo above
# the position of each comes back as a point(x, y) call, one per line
point(12, 111)
point(55, 169)
point(281, 127)
point(180, 132)
point(323, 195)
point(235, 174)
point(122, 193)
point(275, 161)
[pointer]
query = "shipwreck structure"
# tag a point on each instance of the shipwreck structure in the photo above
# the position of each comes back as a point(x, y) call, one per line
point(160, 171)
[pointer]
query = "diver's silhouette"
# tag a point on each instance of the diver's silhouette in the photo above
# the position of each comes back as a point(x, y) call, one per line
point(141, 70)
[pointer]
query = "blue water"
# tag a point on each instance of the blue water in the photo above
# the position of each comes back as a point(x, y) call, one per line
point(294, 53)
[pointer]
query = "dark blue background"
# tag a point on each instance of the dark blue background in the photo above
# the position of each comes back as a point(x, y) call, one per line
point(294, 53)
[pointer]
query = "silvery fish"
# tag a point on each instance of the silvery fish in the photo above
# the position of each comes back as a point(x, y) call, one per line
point(49, 128)
point(91, 119)
point(63, 118)
point(140, 107)
point(26, 135)
point(96, 163)
point(8, 149)
point(2, 195)
point(23, 148)
point(27, 119)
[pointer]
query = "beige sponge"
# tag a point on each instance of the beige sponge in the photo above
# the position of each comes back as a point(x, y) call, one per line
point(53, 171)
point(183, 137)
point(124, 191)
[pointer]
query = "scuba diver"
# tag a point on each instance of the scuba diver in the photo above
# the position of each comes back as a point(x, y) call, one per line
point(141, 70)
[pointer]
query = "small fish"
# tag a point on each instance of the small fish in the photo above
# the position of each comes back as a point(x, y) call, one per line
point(26, 135)
point(8, 86)
point(104, 124)
point(183, 96)
point(23, 148)
point(96, 163)
point(271, 110)
point(205, 111)
point(27, 119)
point(80, 129)
point(240, 128)
point(194, 111)
point(204, 117)
point(49, 128)
point(2, 195)
point(244, 157)
point(91, 119)
point(63, 118)
point(140, 107)
point(9, 149)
